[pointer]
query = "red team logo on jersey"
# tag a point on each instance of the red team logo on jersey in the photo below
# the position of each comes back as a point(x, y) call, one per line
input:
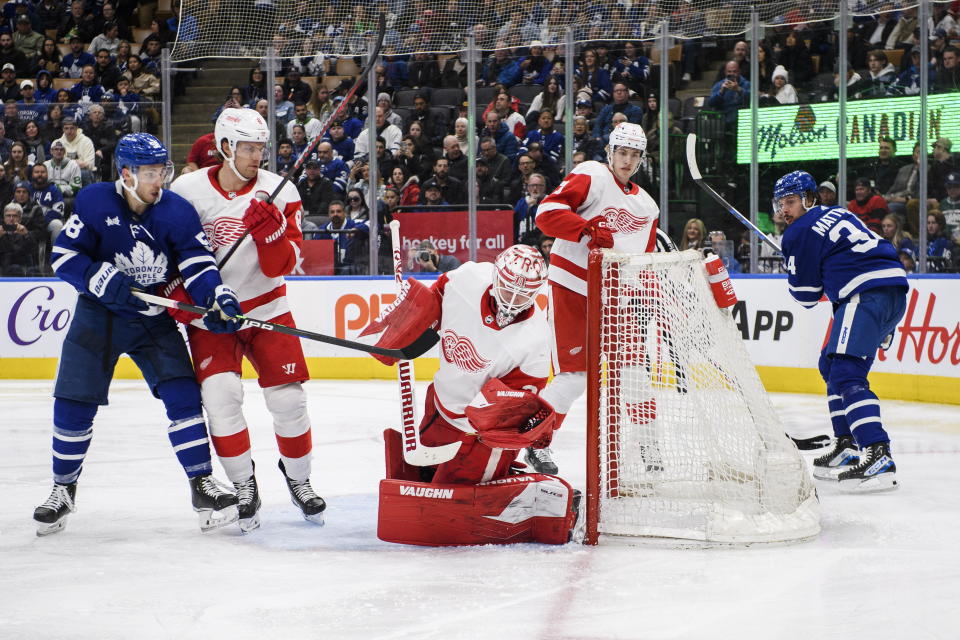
point(224, 231)
point(461, 353)
point(622, 221)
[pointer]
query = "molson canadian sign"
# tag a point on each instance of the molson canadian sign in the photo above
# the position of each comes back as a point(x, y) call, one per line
point(809, 132)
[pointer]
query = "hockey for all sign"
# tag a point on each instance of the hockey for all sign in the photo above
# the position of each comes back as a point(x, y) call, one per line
point(793, 132)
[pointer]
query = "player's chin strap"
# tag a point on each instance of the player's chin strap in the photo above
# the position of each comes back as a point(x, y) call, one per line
point(133, 190)
point(230, 163)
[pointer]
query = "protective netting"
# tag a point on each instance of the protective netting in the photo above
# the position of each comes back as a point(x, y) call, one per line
point(688, 441)
point(230, 28)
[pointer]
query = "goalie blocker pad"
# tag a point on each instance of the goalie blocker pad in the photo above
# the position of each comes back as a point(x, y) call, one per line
point(415, 310)
point(531, 507)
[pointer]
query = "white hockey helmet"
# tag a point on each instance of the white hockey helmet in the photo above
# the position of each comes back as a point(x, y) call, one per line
point(239, 125)
point(630, 135)
point(519, 272)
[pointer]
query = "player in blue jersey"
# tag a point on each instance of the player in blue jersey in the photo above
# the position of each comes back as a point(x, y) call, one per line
point(124, 235)
point(829, 251)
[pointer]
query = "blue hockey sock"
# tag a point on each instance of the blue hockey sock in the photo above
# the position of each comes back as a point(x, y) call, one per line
point(187, 430)
point(72, 431)
point(837, 416)
point(860, 405)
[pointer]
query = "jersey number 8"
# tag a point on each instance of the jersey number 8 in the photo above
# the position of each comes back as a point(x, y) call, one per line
point(73, 226)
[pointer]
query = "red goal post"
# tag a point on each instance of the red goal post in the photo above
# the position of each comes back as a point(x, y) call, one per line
point(683, 442)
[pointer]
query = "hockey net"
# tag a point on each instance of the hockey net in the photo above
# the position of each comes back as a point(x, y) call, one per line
point(682, 439)
point(231, 28)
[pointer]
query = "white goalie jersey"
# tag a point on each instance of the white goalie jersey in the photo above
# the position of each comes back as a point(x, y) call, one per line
point(474, 348)
point(255, 272)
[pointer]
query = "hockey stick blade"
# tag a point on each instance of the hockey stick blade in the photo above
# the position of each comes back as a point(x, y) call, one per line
point(698, 178)
point(334, 115)
point(415, 349)
point(812, 443)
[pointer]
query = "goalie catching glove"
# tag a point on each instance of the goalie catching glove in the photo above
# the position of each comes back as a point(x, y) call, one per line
point(415, 310)
point(506, 418)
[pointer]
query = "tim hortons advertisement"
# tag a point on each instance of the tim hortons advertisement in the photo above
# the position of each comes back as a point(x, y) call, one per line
point(778, 332)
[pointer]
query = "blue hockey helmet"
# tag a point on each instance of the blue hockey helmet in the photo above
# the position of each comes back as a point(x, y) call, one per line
point(798, 183)
point(137, 149)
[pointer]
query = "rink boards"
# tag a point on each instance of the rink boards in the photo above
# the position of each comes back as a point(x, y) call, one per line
point(783, 338)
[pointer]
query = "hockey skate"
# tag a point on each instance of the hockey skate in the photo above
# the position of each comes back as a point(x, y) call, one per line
point(248, 504)
point(579, 508)
point(305, 498)
point(51, 516)
point(842, 456)
point(876, 471)
point(541, 460)
point(216, 507)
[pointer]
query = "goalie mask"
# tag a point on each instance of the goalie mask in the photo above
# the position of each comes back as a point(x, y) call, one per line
point(518, 274)
point(236, 126)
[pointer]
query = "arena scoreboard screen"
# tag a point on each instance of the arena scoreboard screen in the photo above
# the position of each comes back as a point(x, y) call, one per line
point(798, 132)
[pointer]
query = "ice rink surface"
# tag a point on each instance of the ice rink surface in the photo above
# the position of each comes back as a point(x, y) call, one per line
point(132, 563)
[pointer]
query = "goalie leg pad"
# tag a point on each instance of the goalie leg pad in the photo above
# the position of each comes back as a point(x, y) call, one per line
point(523, 508)
point(397, 468)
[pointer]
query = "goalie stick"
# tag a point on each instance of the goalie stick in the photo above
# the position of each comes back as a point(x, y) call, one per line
point(334, 115)
point(413, 350)
point(414, 452)
point(698, 178)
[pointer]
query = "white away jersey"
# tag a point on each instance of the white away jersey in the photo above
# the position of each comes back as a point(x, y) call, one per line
point(255, 273)
point(592, 190)
point(474, 349)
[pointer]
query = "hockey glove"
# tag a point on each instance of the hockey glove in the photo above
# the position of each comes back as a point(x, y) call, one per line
point(111, 287)
point(224, 307)
point(600, 235)
point(510, 418)
point(265, 221)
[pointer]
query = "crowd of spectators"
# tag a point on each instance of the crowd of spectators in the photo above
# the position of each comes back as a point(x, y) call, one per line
point(72, 82)
point(420, 115)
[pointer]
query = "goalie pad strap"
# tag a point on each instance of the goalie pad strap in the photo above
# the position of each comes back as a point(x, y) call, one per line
point(521, 508)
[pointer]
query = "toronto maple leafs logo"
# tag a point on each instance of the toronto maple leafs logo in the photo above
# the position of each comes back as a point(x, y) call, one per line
point(622, 221)
point(224, 231)
point(143, 265)
point(460, 352)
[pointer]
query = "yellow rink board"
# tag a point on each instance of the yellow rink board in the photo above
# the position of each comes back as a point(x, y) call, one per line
point(891, 386)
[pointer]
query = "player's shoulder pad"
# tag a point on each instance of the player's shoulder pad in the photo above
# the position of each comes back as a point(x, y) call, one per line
point(591, 168)
point(185, 183)
point(95, 196)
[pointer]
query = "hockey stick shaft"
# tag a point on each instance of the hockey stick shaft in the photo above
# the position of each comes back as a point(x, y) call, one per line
point(413, 350)
point(414, 451)
point(698, 178)
point(312, 146)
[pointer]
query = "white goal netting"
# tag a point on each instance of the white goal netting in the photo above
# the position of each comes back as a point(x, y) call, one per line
point(684, 440)
point(230, 28)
